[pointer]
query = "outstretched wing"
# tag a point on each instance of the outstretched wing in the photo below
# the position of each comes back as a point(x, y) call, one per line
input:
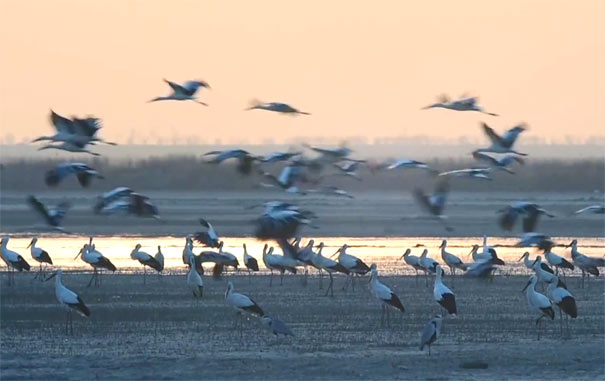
point(176, 88)
point(61, 123)
point(39, 208)
point(491, 134)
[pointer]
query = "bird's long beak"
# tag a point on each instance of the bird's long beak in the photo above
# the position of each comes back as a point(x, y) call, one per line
point(79, 253)
point(526, 286)
point(337, 251)
point(51, 276)
point(523, 256)
point(31, 243)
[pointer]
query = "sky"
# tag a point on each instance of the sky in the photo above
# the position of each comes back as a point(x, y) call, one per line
point(362, 68)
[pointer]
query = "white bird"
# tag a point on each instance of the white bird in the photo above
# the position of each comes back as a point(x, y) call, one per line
point(242, 304)
point(563, 299)
point(538, 302)
point(93, 257)
point(250, 262)
point(51, 216)
point(184, 92)
point(69, 147)
point(462, 104)
point(451, 260)
point(244, 159)
point(477, 173)
point(429, 265)
point(278, 156)
point(504, 143)
point(431, 331)
point(407, 164)
point(73, 134)
point(159, 257)
point(328, 265)
point(279, 263)
point(594, 209)
point(413, 261)
point(588, 265)
point(13, 260)
point(530, 212)
point(503, 163)
point(282, 108)
point(384, 294)
point(39, 255)
point(529, 264)
point(330, 190)
point(539, 240)
point(69, 299)
point(349, 168)
point(443, 295)
point(543, 272)
point(435, 203)
point(146, 260)
point(277, 326)
point(288, 177)
point(134, 204)
point(355, 265)
point(110, 197)
point(331, 155)
point(83, 173)
point(188, 250)
point(281, 220)
point(194, 280)
point(558, 262)
point(208, 238)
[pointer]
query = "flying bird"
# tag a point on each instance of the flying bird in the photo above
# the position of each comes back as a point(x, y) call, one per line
point(83, 173)
point(52, 216)
point(184, 92)
point(244, 159)
point(477, 173)
point(530, 212)
point(504, 143)
point(503, 163)
point(462, 104)
point(594, 209)
point(111, 196)
point(435, 203)
point(282, 108)
point(208, 238)
point(74, 134)
point(408, 164)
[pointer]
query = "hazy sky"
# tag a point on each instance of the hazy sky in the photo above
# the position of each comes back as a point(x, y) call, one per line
point(361, 68)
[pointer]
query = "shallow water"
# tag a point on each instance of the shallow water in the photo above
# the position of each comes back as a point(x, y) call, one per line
point(385, 252)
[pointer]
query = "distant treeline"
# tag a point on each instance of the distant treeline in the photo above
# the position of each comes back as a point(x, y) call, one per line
point(189, 173)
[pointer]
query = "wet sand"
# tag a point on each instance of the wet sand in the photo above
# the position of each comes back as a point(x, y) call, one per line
point(370, 214)
point(157, 331)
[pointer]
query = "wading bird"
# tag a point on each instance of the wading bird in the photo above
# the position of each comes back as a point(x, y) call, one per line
point(278, 262)
point(282, 108)
point(504, 143)
point(451, 260)
point(184, 92)
point(563, 299)
point(194, 280)
point(385, 295)
point(208, 238)
point(429, 265)
point(277, 326)
point(328, 265)
point(83, 173)
point(538, 302)
point(93, 257)
point(242, 304)
point(443, 295)
point(558, 262)
point(464, 103)
point(588, 265)
point(355, 265)
point(40, 256)
point(431, 331)
point(412, 260)
point(13, 260)
point(250, 263)
point(146, 260)
point(69, 299)
point(281, 220)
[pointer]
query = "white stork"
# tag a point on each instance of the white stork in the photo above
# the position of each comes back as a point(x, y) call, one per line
point(464, 103)
point(93, 257)
point(558, 262)
point(282, 108)
point(588, 265)
point(13, 260)
point(194, 280)
point(538, 302)
point(184, 92)
point(443, 295)
point(563, 299)
point(40, 256)
point(84, 173)
point(69, 299)
point(328, 265)
point(413, 261)
point(429, 265)
point(355, 265)
point(279, 263)
point(451, 260)
point(242, 304)
point(504, 143)
point(385, 295)
point(146, 260)
point(250, 263)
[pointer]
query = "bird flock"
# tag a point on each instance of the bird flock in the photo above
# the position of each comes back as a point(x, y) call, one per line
point(280, 223)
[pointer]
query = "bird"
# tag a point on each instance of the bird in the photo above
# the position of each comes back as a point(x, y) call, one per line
point(69, 299)
point(40, 256)
point(443, 295)
point(69, 147)
point(53, 216)
point(242, 304)
point(281, 220)
point(208, 238)
point(278, 156)
point(194, 280)
point(74, 134)
point(476, 173)
point(529, 264)
point(282, 108)
point(328, 265)
point(538, 302)
point(355, 265)
point(539, 240)
point(504, 143)
point(83, 173)
point(464, 103)
point(432, 329)
point(349, 168)
point(503, 163)
point(451, 260)
point(188, 250)
point(544, 273)
point(530, 212)
point(278, 262)
point(563, 299)
point(558, 262)
point(331, 155)
point(146, 260)
point(588, 265)
point(428, 265)
point(159, 257)
point(413, 261)
point(93, 257)
point(330, 190)
point(110, 197)
point(407, 164)
point(289, 176)
point(13, 260)
point(277, 326)
point(250, 262)
point(184, 92)
point(385, 295)
point(135, 204)
point(593, 209)
point(434, 204)
point(244, 159)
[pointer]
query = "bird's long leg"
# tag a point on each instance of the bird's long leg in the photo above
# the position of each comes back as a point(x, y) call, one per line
point(67, 322)
point(321, 279)
point(330, 285)
point(306, 278)
point(561, 320)
point(92, 277)
point(71, 323)
point(281, 278)
point(582, 278)
point(426, 278)
point(429, 349)
point(271, 279)
point(538, 324)
point(249, 277)
point(353, 283)
point(144, 273)
point(416, 276)
point(386, 308)
point(382, 316)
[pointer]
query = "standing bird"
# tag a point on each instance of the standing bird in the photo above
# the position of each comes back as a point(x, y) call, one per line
point(538, 302)
point(282, 108)
point(277, 326)
point(558, 262)
point(451, 260)
point(250, 263)
point(384, 294)
point(443, 295)
point(431, 331)
point(278, 262)
point(563, 299)
point(53, 216)
point(435, 204)
point(69, 299)
point(412, 260)
point(504, 143)
point(188, 250)
point(93, 257)
point(588, 265)
point(194, 280)
point(429, 265)
point(355, 265)
point(208, 238)
point(184, 92)
point(328, 265)
point(159, 257)
point(40, 256)
point(83, 173)
point(464, 103)
point(146, 260)
point(13, 260)
point(242, 304)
